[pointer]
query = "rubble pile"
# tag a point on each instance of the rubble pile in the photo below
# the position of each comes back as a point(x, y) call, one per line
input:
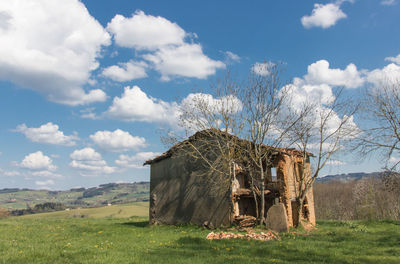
point(245, 221)
point(249, 236)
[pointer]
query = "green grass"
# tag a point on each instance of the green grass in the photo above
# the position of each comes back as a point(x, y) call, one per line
point(65, 239)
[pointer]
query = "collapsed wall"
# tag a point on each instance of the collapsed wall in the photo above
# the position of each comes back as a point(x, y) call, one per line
point(283, 183)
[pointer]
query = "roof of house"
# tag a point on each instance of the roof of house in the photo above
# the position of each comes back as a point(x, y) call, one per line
point(211, 133)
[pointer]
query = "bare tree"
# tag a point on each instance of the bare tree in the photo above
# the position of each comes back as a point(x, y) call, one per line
point(243, 124)
point(322, 129)
point(217, 119)
point(238, 123)
point(263, 100)
point(381, 115)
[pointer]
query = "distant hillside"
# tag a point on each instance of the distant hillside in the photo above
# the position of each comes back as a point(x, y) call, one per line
point(114, 193)
point(348, 176)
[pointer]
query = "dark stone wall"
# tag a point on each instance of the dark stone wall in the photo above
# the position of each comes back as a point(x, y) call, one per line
point(182, 191)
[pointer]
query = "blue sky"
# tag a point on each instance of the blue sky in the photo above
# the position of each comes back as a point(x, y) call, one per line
point(86, 86)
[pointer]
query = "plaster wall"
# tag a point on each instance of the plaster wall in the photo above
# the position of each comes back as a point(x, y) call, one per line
point(180, 192)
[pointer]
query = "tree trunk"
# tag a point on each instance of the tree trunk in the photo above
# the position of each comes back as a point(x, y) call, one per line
point(262, 214)
point(300, 201)
point(255, 196)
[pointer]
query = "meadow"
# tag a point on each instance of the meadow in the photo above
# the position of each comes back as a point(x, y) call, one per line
point(121, 234)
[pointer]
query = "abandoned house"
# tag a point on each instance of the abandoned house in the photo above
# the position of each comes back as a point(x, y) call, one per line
point(183, 189)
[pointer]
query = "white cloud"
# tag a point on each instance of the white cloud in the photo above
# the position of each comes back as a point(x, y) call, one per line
point(142, 31)
point(44, 183)
point(320, 73)
point(389, 73)
point(301, 92)
point(89, 163)
point(135, 105)
point(37, 161)
point(320, 96)
point(227, 104)
point(126, 71)
point(135, 161)
point(335, 162)
point(89, 114)
point(262, 69)
point(186, 60)
point(232, 57)
point(51, 47)
point(48, 134)
point(394, 59)
point(9, 173)
point(323, 16)
point(85, 154)
point(316, 88)
point(47, 174)
point(394, 160)
point(165, 48)
point(117, 141)
point(388, 2)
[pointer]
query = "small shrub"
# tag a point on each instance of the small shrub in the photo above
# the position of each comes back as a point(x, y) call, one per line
point(4, 213)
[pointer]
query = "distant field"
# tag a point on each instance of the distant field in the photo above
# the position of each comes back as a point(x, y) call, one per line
point(105, 237)
point(117, 211)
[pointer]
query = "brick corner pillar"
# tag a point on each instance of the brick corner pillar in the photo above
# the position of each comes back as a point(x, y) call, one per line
point(282, 172)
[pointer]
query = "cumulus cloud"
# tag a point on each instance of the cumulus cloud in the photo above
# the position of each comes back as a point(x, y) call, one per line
point(232, 57)
point(47, 174)
point(389, 73)
point(163, 44)
point(126, 71)
point(117, 141)
point(394, 59)
point(186, 60)
point(51, 47)
point(320, 96)
point(335, 162)
point(135, 105)
point(316, 88)
point(88, 162)
point(227, 104)
point(88, 113)
point(48, 134)
point(262, 69)
point(44, 183)
point(394, 160)
point(85, 154)
point(9, 173)
point(38, 165)
point(135, 161)
point(320, 73)
point(300, 92)
point(388, 2)
point(323, 16)
point(142, 31)
point(38, 162)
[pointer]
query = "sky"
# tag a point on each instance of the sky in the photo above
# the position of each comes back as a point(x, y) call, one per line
point(87, 87)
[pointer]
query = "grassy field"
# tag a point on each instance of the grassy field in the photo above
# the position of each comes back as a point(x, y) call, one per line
point(103, 236)
point(140, 209)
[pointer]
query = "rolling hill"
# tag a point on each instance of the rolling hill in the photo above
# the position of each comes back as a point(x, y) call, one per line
point(345, 177)
point(111, 193)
